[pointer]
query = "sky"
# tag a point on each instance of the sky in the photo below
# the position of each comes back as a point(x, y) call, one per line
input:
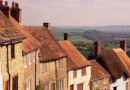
point(74, 12)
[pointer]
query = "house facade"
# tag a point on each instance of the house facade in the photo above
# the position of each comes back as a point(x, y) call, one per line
point(52, 65)
point(99, 77)
point(79, 69)
point(117, 63)
point(11, 51)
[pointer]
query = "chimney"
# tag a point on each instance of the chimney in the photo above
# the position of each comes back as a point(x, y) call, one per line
point(16, 12)
point(123, 45)
point(1, 2)
point(97, 47)
point(47, 25)
point(5, 9)
point(6, 3)
point(66, 36)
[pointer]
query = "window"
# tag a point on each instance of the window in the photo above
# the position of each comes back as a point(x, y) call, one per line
point(60, 63)
point(105, 80)
point(74, 73)
point(104, 89)
point(114, 88)
point(44, 67)
point(60, 85)
point(80, 87)
point(46, 87)
point(96, 83)
point(25, 61)
point(53, 86)
point(83, 71)
point(15, 83)
point(36, 78)
point(12, 51)
point(127, 86)
point(29, 59)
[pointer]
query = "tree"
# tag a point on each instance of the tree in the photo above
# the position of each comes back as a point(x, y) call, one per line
point(39, 86)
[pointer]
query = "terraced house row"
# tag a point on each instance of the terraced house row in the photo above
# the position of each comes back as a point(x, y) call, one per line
point(29, 55)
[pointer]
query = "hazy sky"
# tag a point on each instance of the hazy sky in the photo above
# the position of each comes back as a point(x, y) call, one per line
point(75, 12)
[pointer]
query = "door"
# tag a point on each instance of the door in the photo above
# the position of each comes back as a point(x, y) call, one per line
point(6, 85)
point(114, 88)
point(71, 87)
point(15, 83)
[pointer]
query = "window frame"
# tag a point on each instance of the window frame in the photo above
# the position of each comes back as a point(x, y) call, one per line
point(61, 63)
point(29, 56)
point(127, 85)
point(96, 82)
point(25, 61)
point(46, 85)
point(33, 56)
point(79, 85)
point(44, 67)
point(82, 71)
point(105, 80)
point(74, 73)
point(12, 50)
point(60, 84)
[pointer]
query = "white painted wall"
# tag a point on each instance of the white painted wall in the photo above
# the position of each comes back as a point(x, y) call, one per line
point(80, 79)
point(120, 83)
point(1, 77)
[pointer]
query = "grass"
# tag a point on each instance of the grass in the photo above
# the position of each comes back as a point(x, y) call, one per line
point(79, 38)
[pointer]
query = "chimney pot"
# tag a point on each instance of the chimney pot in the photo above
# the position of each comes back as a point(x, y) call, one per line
point(47, 25)
point(13, 4)
point(6, 3)
point(97, 47)
point(16, 5)
point(66, 36)
point(1, 2)
point(123, 45)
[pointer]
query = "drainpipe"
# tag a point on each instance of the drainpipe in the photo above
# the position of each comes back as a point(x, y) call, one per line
point(8, 66)
point(1, 77)
point(56, 75)
point(35, 70)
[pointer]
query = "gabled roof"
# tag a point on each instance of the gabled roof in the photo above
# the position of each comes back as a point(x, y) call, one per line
point(75, 59)
point(30, 43)
point(8, 32)
point(51, 49)
point(115, 61)
point(97, 71)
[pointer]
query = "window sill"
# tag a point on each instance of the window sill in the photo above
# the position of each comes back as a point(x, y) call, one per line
point(96, 85)
point(105, 83)
point(29, 64)
point(74, 77)
point(84, 75)
point(25, 66)
point(13, 59)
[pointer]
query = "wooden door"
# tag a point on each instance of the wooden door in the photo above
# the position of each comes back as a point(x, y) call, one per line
point(6, 85)
point(72, 87)
point(15, 83)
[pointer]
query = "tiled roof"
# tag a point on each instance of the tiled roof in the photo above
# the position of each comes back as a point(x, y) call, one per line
point(51, 49)
point(97, 71)
point(115, 61)
point(30, 43)
point(8, 32)
point(75, 59)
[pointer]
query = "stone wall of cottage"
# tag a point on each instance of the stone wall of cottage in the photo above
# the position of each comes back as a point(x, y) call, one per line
point(29, 70)
point(101, 84)
point(15, 65)
point(49, 77)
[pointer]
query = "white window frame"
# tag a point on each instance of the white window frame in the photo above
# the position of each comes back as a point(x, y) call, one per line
point(105, 80)
point(46, 87)
point(61, 63)
point(25, 62)
point(60, 83)
point(29, 58)
point(96, 82)
point(37, 54)
point(44, 65)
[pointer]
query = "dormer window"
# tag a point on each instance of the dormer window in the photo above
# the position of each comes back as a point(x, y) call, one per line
point(12, 50)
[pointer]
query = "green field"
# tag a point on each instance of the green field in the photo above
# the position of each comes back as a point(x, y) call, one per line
point(85, 53)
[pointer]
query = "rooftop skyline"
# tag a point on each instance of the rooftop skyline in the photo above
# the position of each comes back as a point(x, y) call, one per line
point(74, 12)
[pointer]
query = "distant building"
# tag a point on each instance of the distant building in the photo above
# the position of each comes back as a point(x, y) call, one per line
point(79, 69)
point(117, 63)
